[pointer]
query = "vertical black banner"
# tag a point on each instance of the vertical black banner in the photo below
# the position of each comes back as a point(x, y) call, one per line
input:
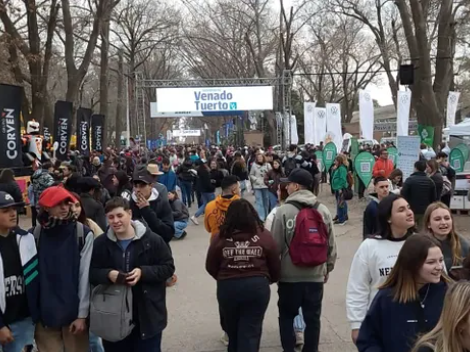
point(97, 132)
point(83, 131)
point(62, 127)
point(10, 135)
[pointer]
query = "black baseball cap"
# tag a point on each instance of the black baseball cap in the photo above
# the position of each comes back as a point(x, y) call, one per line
point(300, 176)
point(7, 201)
point(143, 175)
point(86, 184)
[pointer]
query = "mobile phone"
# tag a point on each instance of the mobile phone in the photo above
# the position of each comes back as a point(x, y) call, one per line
point(457, 267)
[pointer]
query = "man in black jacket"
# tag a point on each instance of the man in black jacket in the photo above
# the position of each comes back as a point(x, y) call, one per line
point(93, 209)
point(419, 190)
point(149, 207)
point(148, 264)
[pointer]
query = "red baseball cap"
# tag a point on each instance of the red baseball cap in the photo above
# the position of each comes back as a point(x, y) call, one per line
point(55, 195)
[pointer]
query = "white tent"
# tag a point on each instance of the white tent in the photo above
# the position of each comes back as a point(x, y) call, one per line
point(461, 129)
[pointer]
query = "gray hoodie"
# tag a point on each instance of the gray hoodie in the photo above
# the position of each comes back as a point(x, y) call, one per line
point(283, 231)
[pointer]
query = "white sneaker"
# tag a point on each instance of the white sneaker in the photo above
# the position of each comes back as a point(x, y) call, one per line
point(194, 220)
point(299, 338)
point(224, 339)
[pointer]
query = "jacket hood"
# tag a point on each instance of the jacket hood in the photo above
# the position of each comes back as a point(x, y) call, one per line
point(303, 197)
point(373, 197)
point(223, 203)
point(153, 196)
point(139, 229)
point(291, 154)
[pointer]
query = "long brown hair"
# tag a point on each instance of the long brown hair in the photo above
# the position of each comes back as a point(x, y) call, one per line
point(82, 217)
point(455, 242)
point(412, 256)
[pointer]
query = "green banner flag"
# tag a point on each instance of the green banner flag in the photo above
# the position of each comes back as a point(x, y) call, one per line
point(458, 157)
point(393, 155)
point(427, 134)
point(329, 155)
point(363, 164)
point(354, 148)
point(321, 164)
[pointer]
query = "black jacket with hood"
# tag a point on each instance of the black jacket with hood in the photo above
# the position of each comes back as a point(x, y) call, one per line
point(420, 191)
point(158, 216)
point(148, 252)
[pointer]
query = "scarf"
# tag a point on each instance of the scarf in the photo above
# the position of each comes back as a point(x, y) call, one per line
point(49, 222)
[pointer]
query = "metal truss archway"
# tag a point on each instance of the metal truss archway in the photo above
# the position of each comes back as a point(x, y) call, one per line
point(283, 91)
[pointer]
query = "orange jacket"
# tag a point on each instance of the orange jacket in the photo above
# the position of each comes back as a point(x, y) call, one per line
point(385, 165)
point(215, 213)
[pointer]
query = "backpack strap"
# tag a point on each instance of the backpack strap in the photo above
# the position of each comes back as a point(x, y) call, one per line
point(80, 231)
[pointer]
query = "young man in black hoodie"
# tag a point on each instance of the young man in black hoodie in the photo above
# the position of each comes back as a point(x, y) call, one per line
point(131, 253)
point(148, 207)
point(370, 223)
point(64, 251)
point(19, 282)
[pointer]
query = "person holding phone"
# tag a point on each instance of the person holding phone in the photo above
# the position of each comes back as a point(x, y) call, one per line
point(132, 254)
point(439, 223)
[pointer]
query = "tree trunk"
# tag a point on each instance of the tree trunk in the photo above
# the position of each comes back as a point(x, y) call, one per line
point(104, 64)
point(120, 100)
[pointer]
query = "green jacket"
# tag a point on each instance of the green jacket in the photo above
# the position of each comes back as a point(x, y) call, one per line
point(340, 178)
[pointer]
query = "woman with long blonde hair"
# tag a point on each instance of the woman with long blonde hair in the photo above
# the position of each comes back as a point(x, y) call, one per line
point(452, 332)
point(438, 222)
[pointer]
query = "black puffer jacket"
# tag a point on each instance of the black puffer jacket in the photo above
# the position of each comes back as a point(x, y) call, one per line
point(420, 191)
point(149, 253)
point(204, 184)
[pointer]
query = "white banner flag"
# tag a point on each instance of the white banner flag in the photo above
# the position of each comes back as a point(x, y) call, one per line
point(403, 112)
point(294, 137)
point(320, 125)
point(333, 124)
point(287, 135)
point(366, 114)
point(452, 104)
point(309, 123)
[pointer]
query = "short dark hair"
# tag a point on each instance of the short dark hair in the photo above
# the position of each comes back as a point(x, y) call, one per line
point(292, 147)
point(46, 165)
point(228, 182)
point(116, 202)
point(379, 179)
point(442, 155)
point(420, 165)
point(166, 161)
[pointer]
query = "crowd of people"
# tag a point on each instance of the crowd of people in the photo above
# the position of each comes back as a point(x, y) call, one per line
point(91, 272)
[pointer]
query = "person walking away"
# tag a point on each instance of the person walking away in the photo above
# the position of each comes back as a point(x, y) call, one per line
point(180, 215)
point(452, 332)
point(168, 179)
point(376, 257)
point(131, 254)
point(395, 181)
point(448, 172)
point(64, 251)
point(207, 188)
point(91, 206)
point(186, 180)
point(239, 170)
point(243, 279)
point(289, 162)
point(339, 181)
point(432, 169)
point(439, 223)
point(19, 282)
point(216, 210)
point(383, 165)
point(272, 180)
point(410, 301)
point(148, 206)
point(259, 169)
point(419, 190)
point(301, 283)
point(370, 219)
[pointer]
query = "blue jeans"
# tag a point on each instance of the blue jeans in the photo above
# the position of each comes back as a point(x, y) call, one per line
point(179, 227)
point(186, 190)
point(95, 343)
point(272, 200)
point(23, 334)
point(341, 207)
point(243, 187)
point(262, 202)
point(299, 323)
point(206, 198)
point(133, 343)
